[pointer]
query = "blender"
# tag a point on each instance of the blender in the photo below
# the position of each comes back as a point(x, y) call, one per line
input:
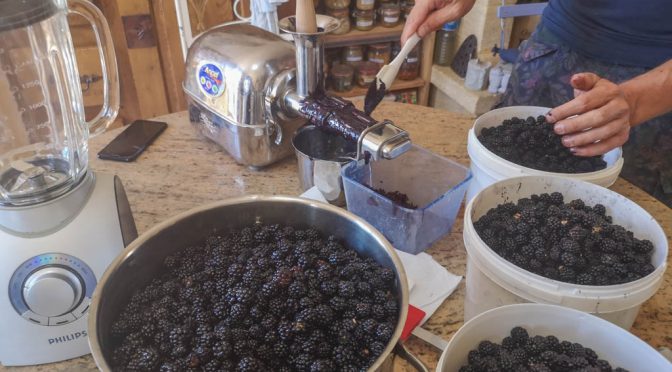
point(60, 224)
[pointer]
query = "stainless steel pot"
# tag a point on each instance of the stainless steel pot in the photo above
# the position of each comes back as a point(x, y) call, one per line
point(143, 259)
point(321, 155)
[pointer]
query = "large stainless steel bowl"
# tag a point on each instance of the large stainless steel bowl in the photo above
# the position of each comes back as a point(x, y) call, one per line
point(143, 259)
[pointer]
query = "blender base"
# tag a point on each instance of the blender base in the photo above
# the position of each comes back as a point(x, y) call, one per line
point(50, 275)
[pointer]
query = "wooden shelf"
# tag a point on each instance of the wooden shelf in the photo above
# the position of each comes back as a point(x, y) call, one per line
point(396, 86)
point(378, 34)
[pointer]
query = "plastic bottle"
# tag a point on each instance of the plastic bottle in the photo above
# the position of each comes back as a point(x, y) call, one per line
point(445, 40)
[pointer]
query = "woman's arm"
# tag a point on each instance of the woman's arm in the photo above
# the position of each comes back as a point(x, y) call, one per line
point(606, 111)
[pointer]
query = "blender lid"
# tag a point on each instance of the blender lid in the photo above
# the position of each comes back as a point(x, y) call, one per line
point(21, 13)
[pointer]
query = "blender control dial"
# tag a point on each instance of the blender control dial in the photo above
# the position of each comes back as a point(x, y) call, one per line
point(52, 289)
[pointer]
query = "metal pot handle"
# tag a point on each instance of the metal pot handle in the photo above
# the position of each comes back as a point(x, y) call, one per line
point(401, 350)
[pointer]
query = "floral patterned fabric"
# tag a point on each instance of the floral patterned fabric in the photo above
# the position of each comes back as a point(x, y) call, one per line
point(541, 78)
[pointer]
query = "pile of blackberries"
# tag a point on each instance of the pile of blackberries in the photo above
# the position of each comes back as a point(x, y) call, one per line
point(520, 352)
point(571, 242)
point(533, 144)
point(396, 197)
point(263, 298)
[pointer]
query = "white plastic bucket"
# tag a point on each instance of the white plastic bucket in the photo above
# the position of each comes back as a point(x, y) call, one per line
point(611, 343)
point(487, 168)
point(493, 281)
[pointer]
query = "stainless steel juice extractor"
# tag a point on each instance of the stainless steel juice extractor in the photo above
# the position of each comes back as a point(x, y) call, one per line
point(60, 224)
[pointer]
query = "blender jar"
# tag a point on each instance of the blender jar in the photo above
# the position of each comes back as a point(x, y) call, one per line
point(43, 133)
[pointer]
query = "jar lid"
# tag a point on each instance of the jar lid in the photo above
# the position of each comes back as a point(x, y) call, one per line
point(381, 46)
point(355, 48)
point(17, 14)
point(368, 68)
point(363, 13)
point(393, 6)
point(451, 26)
point(339, 13)
point(340, 70)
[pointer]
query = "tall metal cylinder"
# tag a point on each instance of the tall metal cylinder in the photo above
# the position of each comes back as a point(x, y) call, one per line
point(309, 63)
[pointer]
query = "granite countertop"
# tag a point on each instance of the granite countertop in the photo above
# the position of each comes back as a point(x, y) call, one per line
point(182, 170)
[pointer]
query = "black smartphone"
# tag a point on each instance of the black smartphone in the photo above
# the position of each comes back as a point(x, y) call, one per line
point(130, 143)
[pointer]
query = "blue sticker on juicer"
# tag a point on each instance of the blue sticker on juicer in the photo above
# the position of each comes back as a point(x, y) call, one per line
point(211, 79)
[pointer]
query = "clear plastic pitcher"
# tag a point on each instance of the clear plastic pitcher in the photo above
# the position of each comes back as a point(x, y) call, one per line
point(43, 133)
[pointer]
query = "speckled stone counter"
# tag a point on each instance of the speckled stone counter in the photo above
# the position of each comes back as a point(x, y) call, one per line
point(181, 170)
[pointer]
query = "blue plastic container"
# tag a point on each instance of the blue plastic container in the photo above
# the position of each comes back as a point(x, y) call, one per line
point(435, 184)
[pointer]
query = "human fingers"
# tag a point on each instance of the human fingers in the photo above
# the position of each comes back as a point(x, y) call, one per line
point(611, 111)
point(417, 16)
point(602, 147)
point(582, 84)
point(596, 134)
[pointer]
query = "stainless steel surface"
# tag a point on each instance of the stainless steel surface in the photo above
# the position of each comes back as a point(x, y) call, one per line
point(244, 116)
point(44, 218)
point(142, 260)
point(383, 141)
point(309, 53)
point(320, 157)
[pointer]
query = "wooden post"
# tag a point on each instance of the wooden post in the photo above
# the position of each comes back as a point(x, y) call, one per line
point(426, 61)
point(172, 61)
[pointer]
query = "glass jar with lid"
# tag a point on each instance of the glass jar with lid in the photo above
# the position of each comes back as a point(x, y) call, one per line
point(364, 19)
point(389, 14)
point(406, 7)
point(379, 53)
point(410, 68)
point(365, 4)
point(353, 54)
point(366, 73)
point(341, 77)
point(337, 4)
point(344, 16)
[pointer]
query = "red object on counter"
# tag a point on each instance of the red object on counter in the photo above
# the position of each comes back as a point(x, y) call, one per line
point(413, 319)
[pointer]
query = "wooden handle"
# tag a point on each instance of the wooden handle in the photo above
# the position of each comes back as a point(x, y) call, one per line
point(305, 17)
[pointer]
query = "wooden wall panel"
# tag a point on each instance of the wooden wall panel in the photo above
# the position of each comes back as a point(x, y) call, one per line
point(143, 92)
point(170, 49)
point(205, 14)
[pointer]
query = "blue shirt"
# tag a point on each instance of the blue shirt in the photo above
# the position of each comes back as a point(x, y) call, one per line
point(624, 32)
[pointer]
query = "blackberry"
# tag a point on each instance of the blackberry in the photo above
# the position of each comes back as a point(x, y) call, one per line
point(384, 332)
point(487, 348)
point(143, 360)
point(509, 343)
point(519, 334)
point(577, 204)
point(322, 365)
point(249, 364)
point(346, 289)
point(585, 279)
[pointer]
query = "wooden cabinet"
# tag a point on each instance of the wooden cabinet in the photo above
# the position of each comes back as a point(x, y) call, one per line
point(381, 34)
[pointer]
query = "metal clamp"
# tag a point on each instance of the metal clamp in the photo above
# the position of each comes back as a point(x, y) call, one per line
point(365, 132)
point(383, 140)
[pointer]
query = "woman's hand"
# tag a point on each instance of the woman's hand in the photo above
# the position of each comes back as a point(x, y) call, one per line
point(430, 15)
point(602, 120)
